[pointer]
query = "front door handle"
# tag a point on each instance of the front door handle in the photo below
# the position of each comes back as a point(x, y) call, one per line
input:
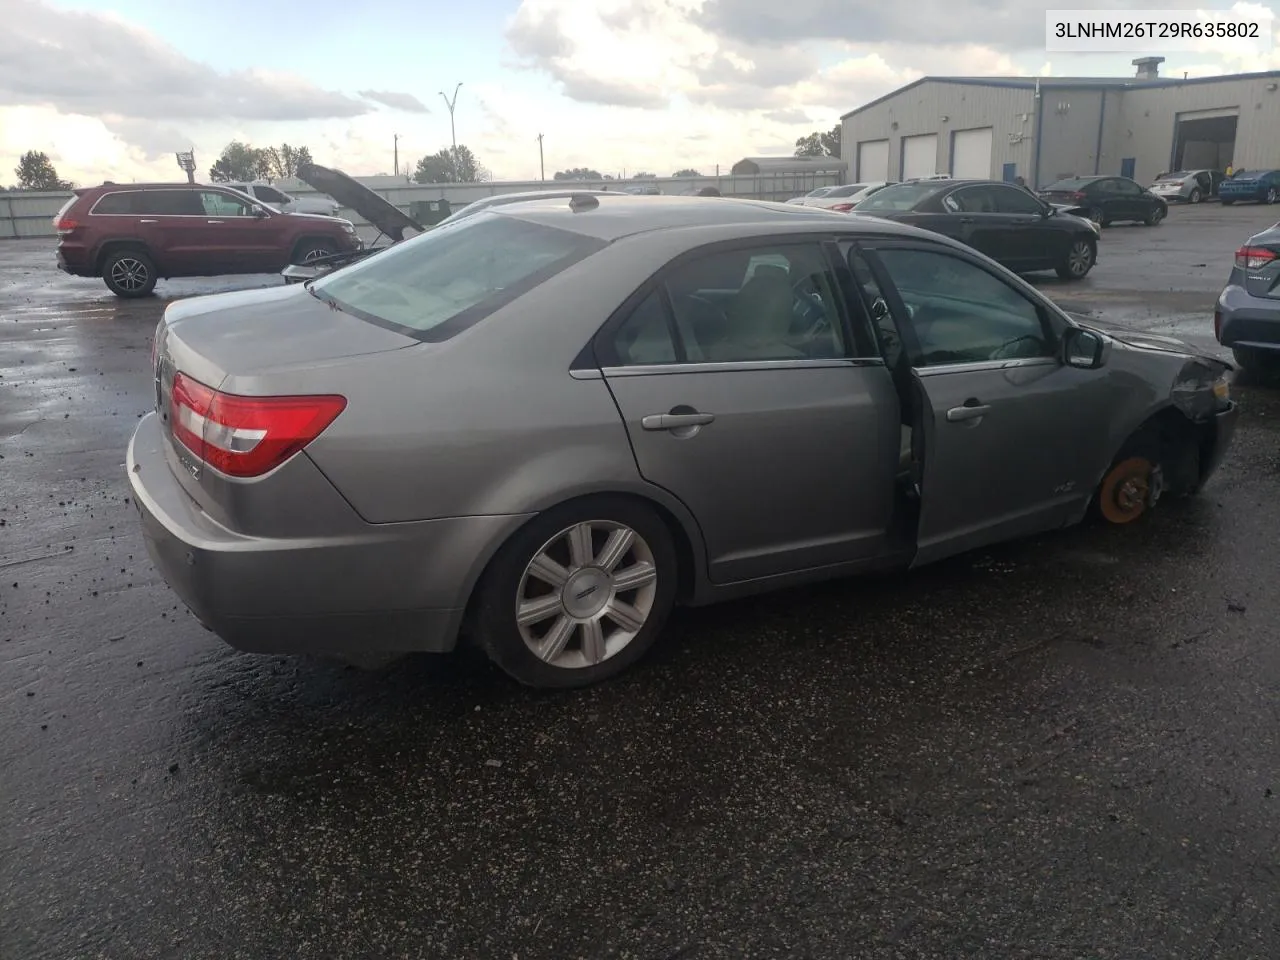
point(146, 221)
point(967, 412)
point(676, 421)
point(966, 219)
point(215, 221)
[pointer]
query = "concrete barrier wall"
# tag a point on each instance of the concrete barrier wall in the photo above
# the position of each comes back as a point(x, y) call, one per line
point(28, 214)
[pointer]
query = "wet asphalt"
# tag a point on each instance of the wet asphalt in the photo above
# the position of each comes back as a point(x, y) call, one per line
point(1058, 748)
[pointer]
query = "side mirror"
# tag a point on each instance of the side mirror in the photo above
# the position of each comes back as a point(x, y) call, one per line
point(261, 213)
point(1084, 349)
point(1049, 211)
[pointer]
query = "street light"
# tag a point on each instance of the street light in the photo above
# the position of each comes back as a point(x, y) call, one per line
point(542, 167)
point(395, 146)
point(453, 130)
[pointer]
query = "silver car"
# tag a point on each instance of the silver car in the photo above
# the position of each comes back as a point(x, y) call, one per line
point(1189, 186)
point(1247, 317)
point(543, 426)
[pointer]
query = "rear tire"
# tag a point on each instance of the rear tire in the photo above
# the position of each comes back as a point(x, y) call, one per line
point(129, 273)
point(1271, 196)
point(1095, 214)
point(589, 614)
point(308, 250)
point(1196, 195)
point(1079, 261)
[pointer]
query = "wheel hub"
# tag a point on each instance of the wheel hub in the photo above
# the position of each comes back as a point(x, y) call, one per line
point(587, 593)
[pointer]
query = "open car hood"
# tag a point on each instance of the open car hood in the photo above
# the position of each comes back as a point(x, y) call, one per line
point(356, 196)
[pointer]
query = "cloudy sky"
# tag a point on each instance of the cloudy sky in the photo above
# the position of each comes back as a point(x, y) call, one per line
point(110, 89)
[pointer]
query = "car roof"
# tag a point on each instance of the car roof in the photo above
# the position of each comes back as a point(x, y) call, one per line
point(615, 216)
point(158, 186)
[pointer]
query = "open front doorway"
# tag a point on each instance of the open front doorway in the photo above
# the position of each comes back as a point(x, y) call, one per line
point(1205, 140)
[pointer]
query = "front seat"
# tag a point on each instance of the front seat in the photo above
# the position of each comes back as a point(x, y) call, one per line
point(759, 320)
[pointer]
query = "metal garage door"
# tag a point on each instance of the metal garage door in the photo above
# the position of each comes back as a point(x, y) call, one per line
point(873, 161)
point(919, 156)
point(971, 154)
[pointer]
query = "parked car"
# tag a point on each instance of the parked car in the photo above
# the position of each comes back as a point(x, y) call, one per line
point(812, 195)
point(1247, 317)
point(1107, 200)
point(845, 198)
point(545, 425)
point(1188, 186)
point(130, 235)
point(1007, 223)
point(284, 202)
point(1260, 186)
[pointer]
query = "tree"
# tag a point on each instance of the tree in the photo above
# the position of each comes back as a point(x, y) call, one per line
point(238, 161)
point(579, 173)
point(822, 143)
point(687, 172)
point(285, 160)
point(36, 172)
point(645, 176)
point(445, 167)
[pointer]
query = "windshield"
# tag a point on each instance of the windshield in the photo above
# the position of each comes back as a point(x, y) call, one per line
point(436, 284)
point(901, 196)
point(1071, 185)
point(1248, 174)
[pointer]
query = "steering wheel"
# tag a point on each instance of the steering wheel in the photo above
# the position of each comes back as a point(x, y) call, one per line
point(807, 308)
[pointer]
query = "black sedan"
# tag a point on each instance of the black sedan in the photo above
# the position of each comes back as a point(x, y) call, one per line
point(1106, 200)
point(1007, 223)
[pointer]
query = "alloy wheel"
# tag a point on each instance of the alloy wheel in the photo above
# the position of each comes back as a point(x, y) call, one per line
point(1080, 258)
point(314, 254)
point(129, 274)
point(1271, 195)
point(586, 594)
point(1095, 215)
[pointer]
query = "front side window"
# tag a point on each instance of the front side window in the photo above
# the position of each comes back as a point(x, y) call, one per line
point(757, 304)
point(1015, 201)
point(960, 313)
point(225, 205)
point(441, 281)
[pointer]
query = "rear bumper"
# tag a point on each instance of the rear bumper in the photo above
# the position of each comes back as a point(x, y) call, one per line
point(395, 588)
point(1248, 321)
point(75, 261)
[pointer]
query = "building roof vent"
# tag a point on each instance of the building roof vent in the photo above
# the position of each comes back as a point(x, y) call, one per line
point(1148, 67)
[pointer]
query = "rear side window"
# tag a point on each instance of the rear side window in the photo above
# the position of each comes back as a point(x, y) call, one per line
point(114, 203)
point(902, 196)
point(446, 279)
point(168, 203)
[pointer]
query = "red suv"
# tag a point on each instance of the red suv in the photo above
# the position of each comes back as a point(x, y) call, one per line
point(131, 235)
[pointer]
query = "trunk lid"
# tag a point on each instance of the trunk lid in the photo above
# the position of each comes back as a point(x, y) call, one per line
point(226, 341)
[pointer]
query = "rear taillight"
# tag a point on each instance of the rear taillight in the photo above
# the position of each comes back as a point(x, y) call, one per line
point(65, 224)
point(246, 436)
point(1254, 258)
point(842, 207)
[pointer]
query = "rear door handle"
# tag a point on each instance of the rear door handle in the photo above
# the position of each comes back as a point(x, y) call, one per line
point(675, 421)
point(146, 221)
point(215, 221)
point(960, 414)
point(966, 219)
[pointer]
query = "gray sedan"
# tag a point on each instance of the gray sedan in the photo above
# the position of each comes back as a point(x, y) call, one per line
point(1247, 318)
point(543, 426)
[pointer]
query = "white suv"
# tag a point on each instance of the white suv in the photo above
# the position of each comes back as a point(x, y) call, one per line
point(275, 197)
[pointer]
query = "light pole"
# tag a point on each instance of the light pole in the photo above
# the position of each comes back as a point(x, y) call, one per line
point(396, 148)
point(453, 130)
point(542, 167)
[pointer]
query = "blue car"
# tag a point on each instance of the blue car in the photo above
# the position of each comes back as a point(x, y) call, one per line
point(1247, 317)
point(1261, 186)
